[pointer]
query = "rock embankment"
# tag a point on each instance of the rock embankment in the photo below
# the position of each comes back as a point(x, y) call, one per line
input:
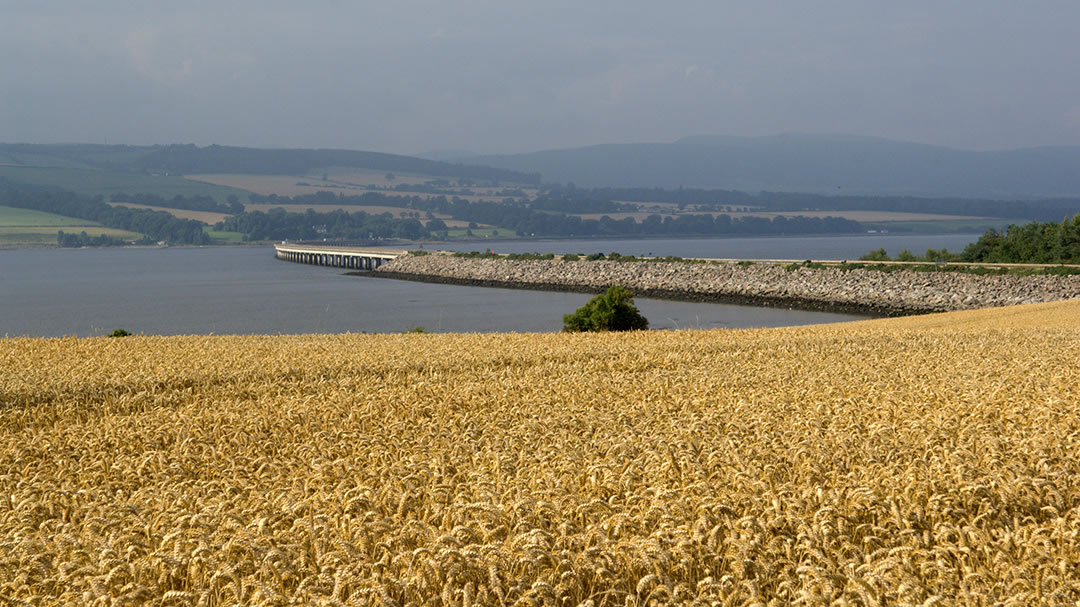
point(861, 291)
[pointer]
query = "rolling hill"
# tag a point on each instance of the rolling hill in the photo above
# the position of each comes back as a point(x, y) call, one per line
point(808, 163)
point(180, 159)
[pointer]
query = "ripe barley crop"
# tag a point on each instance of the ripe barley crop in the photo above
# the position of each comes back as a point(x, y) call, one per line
point(909, 461)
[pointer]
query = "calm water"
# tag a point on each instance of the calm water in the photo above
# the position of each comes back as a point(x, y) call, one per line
point(54, 292)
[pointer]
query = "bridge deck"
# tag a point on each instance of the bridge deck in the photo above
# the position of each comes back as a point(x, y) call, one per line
point(356, 258)
point(336, 250)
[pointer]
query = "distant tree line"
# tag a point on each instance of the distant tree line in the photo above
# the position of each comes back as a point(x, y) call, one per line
point(1038, 210)
point(524, 219)
point(277, 224)
point(572, 200)
point(326, 197)
point(190, 203)
point(155, 225)
point(82, 239)
point(581, 205)
point(1053, 209)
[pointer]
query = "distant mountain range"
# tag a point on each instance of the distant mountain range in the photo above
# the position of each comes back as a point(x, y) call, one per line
point(839, 164)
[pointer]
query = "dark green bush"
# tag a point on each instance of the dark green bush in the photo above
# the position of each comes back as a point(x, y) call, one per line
point(875, 255)
point(529, 256)
point(610, 311)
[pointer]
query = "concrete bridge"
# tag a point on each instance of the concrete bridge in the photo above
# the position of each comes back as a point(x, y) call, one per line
point(338, 257)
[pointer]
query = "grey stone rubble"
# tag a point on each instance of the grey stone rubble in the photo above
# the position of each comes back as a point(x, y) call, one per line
point(864, 291)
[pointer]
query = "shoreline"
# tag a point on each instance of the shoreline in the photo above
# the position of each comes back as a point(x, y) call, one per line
point(859, 291)
point(516, 239)
point(663, 294)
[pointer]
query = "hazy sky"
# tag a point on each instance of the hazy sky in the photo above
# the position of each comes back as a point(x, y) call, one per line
point(502, 76)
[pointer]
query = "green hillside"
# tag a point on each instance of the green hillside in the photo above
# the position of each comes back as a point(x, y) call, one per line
point(176, 160)
point(103, 182)
point(11, 217)
point(27, 227)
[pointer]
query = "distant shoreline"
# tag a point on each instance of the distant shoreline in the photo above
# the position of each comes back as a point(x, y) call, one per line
point(482, 242)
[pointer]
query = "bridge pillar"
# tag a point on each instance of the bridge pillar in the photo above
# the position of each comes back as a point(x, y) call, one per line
point(353, 260)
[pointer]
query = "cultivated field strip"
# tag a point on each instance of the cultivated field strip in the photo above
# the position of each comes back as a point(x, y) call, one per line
point(908, 461)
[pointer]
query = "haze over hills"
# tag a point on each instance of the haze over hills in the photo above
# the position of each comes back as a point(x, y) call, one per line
point(446, 155)
point(838, 164)
point(185, 159)
point(813, 164)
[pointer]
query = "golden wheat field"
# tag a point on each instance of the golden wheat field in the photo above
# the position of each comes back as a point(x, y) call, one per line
point(917, 461)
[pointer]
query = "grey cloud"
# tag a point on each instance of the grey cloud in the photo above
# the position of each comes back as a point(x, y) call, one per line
point(496, 76)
